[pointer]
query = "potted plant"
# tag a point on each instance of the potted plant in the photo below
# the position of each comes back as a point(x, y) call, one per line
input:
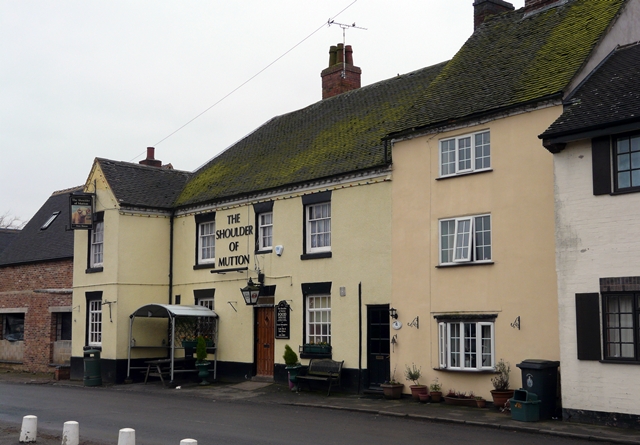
point(292, 365)
point(435, 390)
point(201, 360)
point(392, 389)
point(316, 348)
point(413, 374)
point(501, 392)
point(481, 402)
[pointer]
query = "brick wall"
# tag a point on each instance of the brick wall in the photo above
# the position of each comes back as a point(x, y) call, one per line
point(17, 290)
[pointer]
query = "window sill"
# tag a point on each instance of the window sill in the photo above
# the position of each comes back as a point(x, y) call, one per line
point(93, 270)
point(620, 362)
point(470, 371)
point(457, 175)
point(204, 266)
point(264, 252)
point(625, 191)
point(470, 263)
point(315, 256)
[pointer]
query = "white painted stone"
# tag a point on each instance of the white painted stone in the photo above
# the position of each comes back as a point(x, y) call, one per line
point(127, 436)
point(29, 430)
point(71, 433)
point(188, 442)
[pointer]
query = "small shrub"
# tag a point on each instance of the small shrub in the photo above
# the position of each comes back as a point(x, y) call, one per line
point(201, 350)
point(501, 381)
point(412, 373)
point(290, 357)
point(435, 386)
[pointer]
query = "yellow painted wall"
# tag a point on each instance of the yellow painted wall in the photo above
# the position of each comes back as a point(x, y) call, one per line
point(135, 270)
point(518, 193)
point(361, 246)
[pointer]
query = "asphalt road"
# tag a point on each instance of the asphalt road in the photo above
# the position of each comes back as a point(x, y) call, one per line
point(164, 418)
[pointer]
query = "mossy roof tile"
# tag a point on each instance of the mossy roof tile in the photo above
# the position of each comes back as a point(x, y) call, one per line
point(609, 96)
point(514, 58)
point(332, 137)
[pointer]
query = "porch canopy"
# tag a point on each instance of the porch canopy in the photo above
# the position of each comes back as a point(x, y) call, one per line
point(204, 318)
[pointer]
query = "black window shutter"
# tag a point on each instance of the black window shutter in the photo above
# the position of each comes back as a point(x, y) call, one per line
point(601, 165)
point(588, 326)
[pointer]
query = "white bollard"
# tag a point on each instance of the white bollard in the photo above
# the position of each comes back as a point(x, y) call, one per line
point(188, 442)
point(29, 429)
point(71, 433)
point(127, 436)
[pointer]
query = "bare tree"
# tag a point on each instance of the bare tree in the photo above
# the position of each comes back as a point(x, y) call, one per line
point(8, 221)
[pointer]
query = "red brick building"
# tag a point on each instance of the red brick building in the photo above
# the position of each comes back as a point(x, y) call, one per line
point(36, 277)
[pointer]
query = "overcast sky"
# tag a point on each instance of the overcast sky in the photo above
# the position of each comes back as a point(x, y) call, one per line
point(85, 79)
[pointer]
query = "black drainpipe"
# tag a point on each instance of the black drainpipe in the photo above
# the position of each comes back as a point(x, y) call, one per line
point(360, 336)
point(173, 214)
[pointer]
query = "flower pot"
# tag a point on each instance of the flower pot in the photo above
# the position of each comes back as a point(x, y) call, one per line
point(392, 390)
point(416, 390)
point(424, 397)
point(436, 396)
point(293, 372)
point(481, 403)
point(203, 372)
point(500, 397)
point(459, 402)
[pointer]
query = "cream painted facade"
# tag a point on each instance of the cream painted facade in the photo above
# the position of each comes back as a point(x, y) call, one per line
point(136, 270)
point(519, 280)
point(360, 254)
point(596, 237)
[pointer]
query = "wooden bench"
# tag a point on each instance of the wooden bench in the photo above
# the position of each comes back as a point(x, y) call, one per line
point(322, 370)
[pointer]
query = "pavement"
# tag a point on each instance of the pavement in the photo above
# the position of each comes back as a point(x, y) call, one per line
point(274, 393)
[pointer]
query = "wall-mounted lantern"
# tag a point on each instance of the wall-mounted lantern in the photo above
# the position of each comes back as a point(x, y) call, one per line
point(251, 292)
point(393, 313)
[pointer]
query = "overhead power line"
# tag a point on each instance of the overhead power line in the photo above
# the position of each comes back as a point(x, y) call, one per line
point(329, 22)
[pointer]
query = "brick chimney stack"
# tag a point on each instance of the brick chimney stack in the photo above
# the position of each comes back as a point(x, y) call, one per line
point(483, 9)
point(341, 75)
point(151, 161)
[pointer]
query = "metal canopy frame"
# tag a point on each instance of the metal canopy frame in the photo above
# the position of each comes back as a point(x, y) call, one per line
point(173, 311)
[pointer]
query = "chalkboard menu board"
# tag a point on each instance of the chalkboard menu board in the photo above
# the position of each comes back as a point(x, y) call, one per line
point(282, 320)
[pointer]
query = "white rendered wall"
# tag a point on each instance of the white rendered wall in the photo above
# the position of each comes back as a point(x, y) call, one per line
point(596, 237)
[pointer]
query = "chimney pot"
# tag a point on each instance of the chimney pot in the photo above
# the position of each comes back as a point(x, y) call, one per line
point(341, 75)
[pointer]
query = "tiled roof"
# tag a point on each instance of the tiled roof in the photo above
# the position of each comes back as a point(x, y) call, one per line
point(54, 243)
point(6, 237)
point(609, 96)
point(332, 137)
point(513, 59)
point(138, 185)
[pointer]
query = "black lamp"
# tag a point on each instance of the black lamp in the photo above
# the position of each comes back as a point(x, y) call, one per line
point(250, 293)
point(393, 313)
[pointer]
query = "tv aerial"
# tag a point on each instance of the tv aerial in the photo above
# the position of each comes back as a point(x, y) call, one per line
point(344, 27)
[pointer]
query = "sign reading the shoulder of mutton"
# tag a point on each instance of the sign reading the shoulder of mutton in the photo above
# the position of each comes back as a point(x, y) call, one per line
point(81, 211)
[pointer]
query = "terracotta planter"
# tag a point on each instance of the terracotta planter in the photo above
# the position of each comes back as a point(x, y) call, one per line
point(416, 390)
point(459, 402)
point(436, 396)
point(481, 403)
point(500, 398)
point(392, 391)
point(424, 397)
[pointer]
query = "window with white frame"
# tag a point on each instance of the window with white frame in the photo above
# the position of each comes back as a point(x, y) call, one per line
point(265, 231)
point(94, 331)
point(97, 244)
point(466, 345)
point(318, 319)
point(318, 227)
point(207, 242)
point(465, 154)
point(466, 239)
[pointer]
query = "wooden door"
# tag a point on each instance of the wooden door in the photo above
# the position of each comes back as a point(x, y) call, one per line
point(378, 363)
point(265, 341)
